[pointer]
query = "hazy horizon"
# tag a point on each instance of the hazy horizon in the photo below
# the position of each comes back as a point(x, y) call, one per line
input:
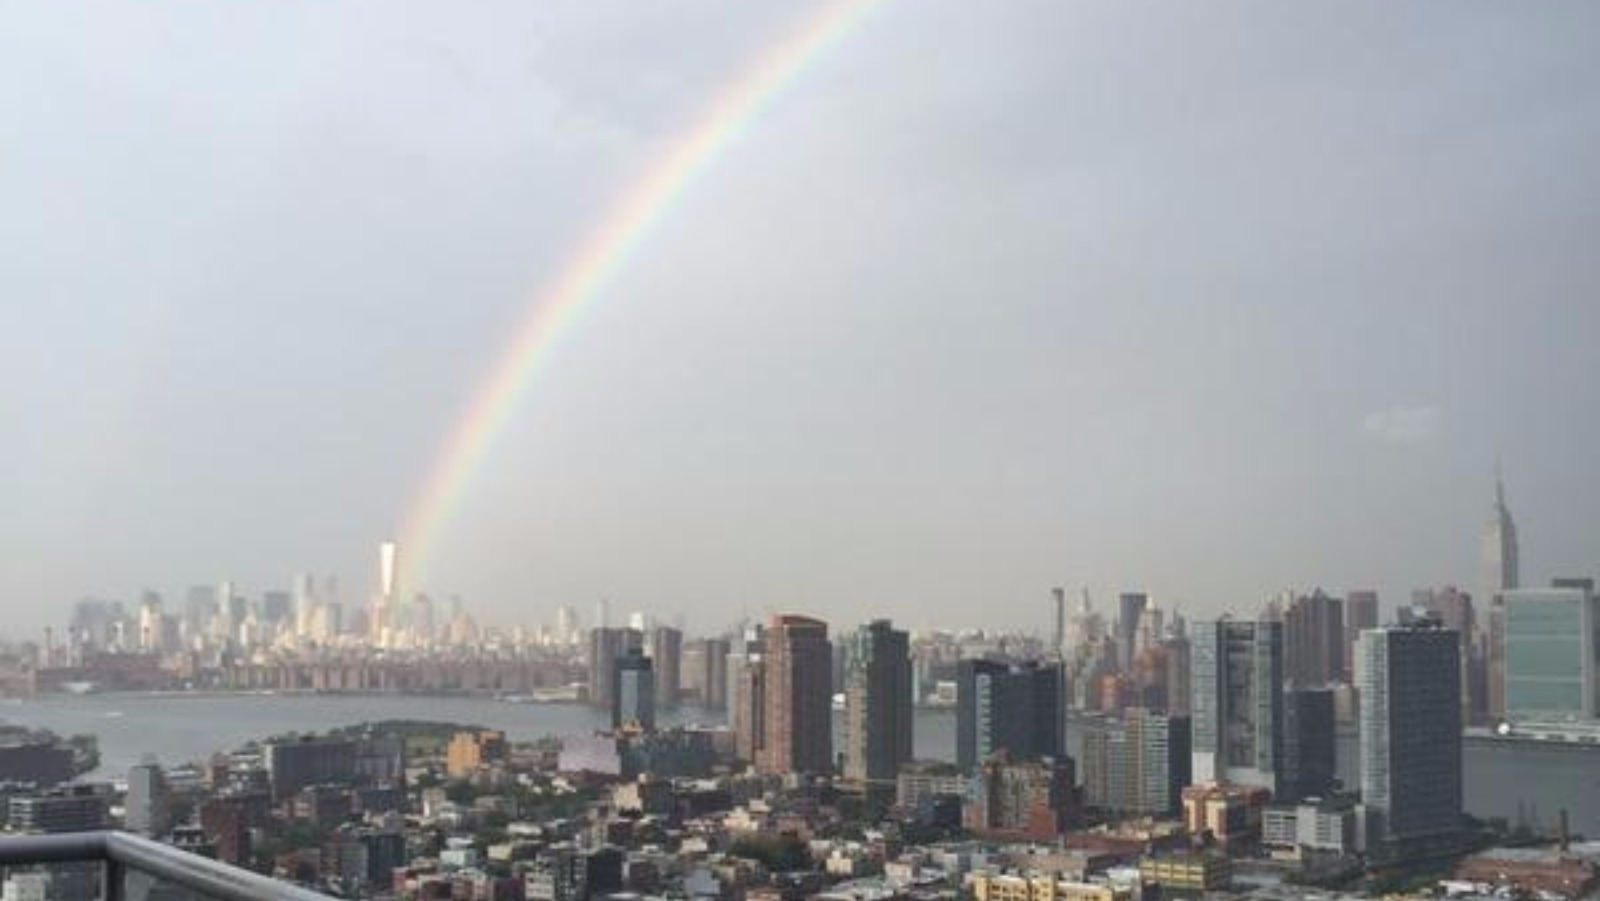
point(1208, 302)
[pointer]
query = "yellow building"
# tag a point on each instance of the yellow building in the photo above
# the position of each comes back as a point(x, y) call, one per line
point(1188, 872)
point(469, 751)
point(1011, 887)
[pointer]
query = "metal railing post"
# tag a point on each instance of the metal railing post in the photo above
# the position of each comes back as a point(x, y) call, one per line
point(120, 855)
point(115, 875)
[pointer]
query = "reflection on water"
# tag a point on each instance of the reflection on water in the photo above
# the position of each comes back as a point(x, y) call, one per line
point(175, 728)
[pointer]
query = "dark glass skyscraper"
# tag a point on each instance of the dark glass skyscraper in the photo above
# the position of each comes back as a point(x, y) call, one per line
point(877, 702)
point(634, 704)
point(1410, 720)
point(999, 706)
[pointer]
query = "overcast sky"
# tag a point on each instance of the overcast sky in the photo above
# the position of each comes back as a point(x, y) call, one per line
point(1205, 299)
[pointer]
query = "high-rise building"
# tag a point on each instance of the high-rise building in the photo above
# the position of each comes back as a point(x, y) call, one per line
point(1016, 709)
point(1360, 612)
point(1500, 555)
point(1130, 610)
point(149, 629)
point(705, 671)
point(1058, 597)
point(664, 646)
point(1454, 610)
point(305, 603)
point(1151, 631)
point(1237, 702)
point(1085, 630)
point(747, 704)
point(1410, 731)
point(634, 704)
point(1313, 637)
point(384, 609)
point(146, 810)
point(798, 711)
point(1309, 739)
point(1028, 800)
point(1549, 647)
point(1179, 661)
point(746, 692)
point(1136, 764)
point(877, 702)
point(605, 646)
point(293, 764)
point(1501, 573)
point(1452, 607)
point(81, 807)
point(567, 630)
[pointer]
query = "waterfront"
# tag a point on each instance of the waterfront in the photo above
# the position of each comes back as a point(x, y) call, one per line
point(174, 728)
point(1529, 785)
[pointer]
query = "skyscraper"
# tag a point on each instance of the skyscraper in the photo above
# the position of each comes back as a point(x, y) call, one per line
point(1410, 731)
point(1237, 702)
point(567, 632)
point(146, 810)
point(798, 708)
point(1500, 571)
point(1313, 627)
point(705, 671)
point(634, 705)
point(877, 703)
point(747, 704)
point(746, 691)
point(1136, 763)
point(1360, 612)
point(1548, 637)
point(664, 644)
point(1130, 610)
point(305, 604)
point(384, 611)
point(1455, 611)
point(1058, 597)
point(1309, 737)
point(605, 647)
point(1180, 669)
point(1002, 707)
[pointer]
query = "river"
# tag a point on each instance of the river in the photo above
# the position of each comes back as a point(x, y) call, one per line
point(175, 728)
point(1519, 781)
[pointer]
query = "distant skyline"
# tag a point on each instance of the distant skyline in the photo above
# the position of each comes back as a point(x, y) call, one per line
point(1205, 303)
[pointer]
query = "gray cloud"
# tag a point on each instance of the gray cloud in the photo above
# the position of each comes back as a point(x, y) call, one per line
point(990, 299)
point(1404, 424)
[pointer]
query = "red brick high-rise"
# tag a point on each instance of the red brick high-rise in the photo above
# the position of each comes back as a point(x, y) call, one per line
point(798, 708)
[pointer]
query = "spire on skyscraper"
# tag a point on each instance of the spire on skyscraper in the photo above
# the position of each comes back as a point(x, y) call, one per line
point(1500, 551)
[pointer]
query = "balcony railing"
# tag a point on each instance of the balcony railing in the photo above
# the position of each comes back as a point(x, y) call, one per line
point(124, 858)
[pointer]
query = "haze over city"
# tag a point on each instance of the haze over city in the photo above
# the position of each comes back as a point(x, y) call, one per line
point(1206, 304)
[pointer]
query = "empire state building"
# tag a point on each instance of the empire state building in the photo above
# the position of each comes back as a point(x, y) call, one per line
point(1499, 547)
point(1499, 575)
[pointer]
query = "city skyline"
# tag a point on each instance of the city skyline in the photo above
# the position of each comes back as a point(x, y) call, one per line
point(386, 605)
point(1176, 303)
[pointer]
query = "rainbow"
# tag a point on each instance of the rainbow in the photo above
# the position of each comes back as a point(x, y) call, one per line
point(599, 260)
